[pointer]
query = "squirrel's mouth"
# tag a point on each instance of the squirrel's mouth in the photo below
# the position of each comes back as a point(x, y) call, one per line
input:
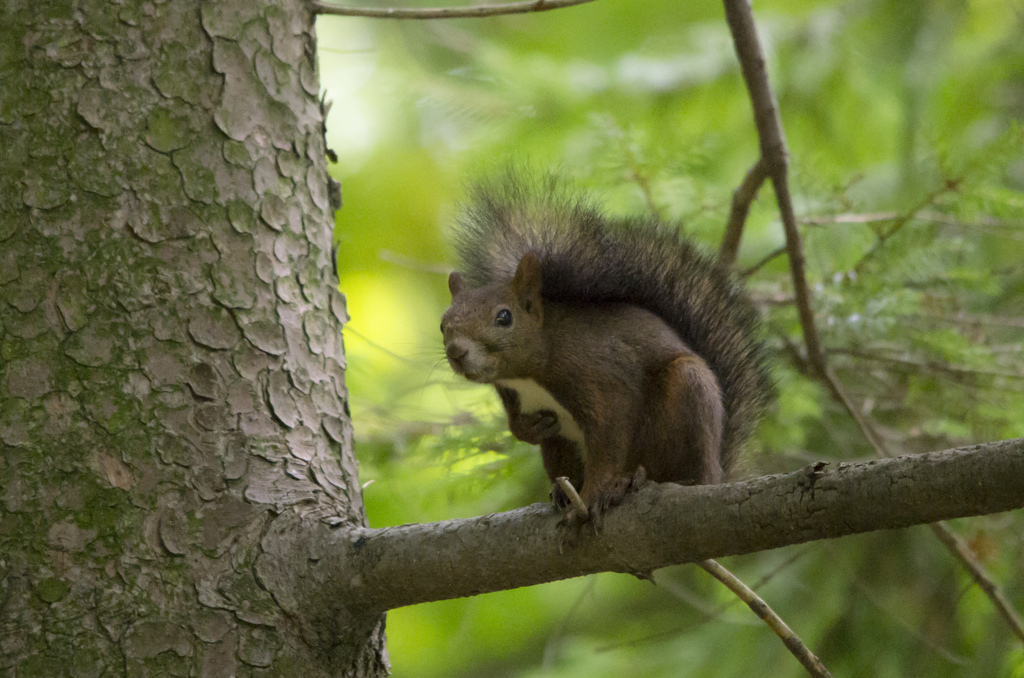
point(457, 366)
point(466, 359)
point(475, 376)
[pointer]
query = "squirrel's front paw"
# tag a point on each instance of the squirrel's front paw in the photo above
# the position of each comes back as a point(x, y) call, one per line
point(535, 427)
point(599, 497)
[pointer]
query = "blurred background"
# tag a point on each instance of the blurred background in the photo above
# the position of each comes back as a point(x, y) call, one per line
point(907, 166)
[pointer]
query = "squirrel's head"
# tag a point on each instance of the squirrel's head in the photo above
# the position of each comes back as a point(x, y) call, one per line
point(493, 332)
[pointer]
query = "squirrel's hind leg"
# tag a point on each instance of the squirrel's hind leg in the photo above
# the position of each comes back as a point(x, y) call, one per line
point(608, 475)
point(680, 435)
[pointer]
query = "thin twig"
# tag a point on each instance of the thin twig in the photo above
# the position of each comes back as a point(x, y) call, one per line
point(705, 609)
point(924, 215)
point(349, 330)
point(705, 613)
point(933, 366)
point(643, 182)
point(839, 393)
point(849, 218)
point(444, 12)
point(761, 609)
point(547, 660)
point(778, 298)
point(960, 318)
point(876, 600)
point(981, 577)
point(878, 217)
point(774, 153)
point(996, 228)
point(777, 252)
point(956, 546)
point(413, 264)
point(742, 198)
point(574, 497)
point(905, 218)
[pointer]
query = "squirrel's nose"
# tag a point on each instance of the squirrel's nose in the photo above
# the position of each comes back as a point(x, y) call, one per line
point(455, 351)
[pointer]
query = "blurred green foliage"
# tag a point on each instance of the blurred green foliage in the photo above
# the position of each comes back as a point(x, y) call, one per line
point(907, 151)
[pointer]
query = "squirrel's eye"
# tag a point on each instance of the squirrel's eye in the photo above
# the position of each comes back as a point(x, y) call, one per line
point(442, 328)
point(504, 318)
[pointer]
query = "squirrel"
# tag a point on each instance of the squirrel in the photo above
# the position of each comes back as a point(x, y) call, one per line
point(614, 344)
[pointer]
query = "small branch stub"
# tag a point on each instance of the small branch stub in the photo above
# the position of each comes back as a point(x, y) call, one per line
point(574, 497)
point(742, 197)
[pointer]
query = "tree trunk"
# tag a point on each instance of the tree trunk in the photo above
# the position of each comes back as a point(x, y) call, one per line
point(172, 377)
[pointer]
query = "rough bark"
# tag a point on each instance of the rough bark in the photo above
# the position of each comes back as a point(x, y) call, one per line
point(658, 526)
point(171, 368)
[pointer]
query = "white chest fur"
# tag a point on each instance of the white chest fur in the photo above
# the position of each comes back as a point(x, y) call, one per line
point(533, 397)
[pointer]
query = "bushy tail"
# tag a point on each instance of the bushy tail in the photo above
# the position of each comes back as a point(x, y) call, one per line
point(587, 258)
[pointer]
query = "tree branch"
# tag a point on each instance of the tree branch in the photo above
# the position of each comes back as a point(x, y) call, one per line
point(364, 571)
point(768, 615)
point(444, 12)
point(742, 198)
point(775, 155)
point(949, 539)
point(740, 18)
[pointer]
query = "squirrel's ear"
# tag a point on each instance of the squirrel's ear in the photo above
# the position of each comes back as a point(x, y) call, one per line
point(455, 283)
point(526, 284)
